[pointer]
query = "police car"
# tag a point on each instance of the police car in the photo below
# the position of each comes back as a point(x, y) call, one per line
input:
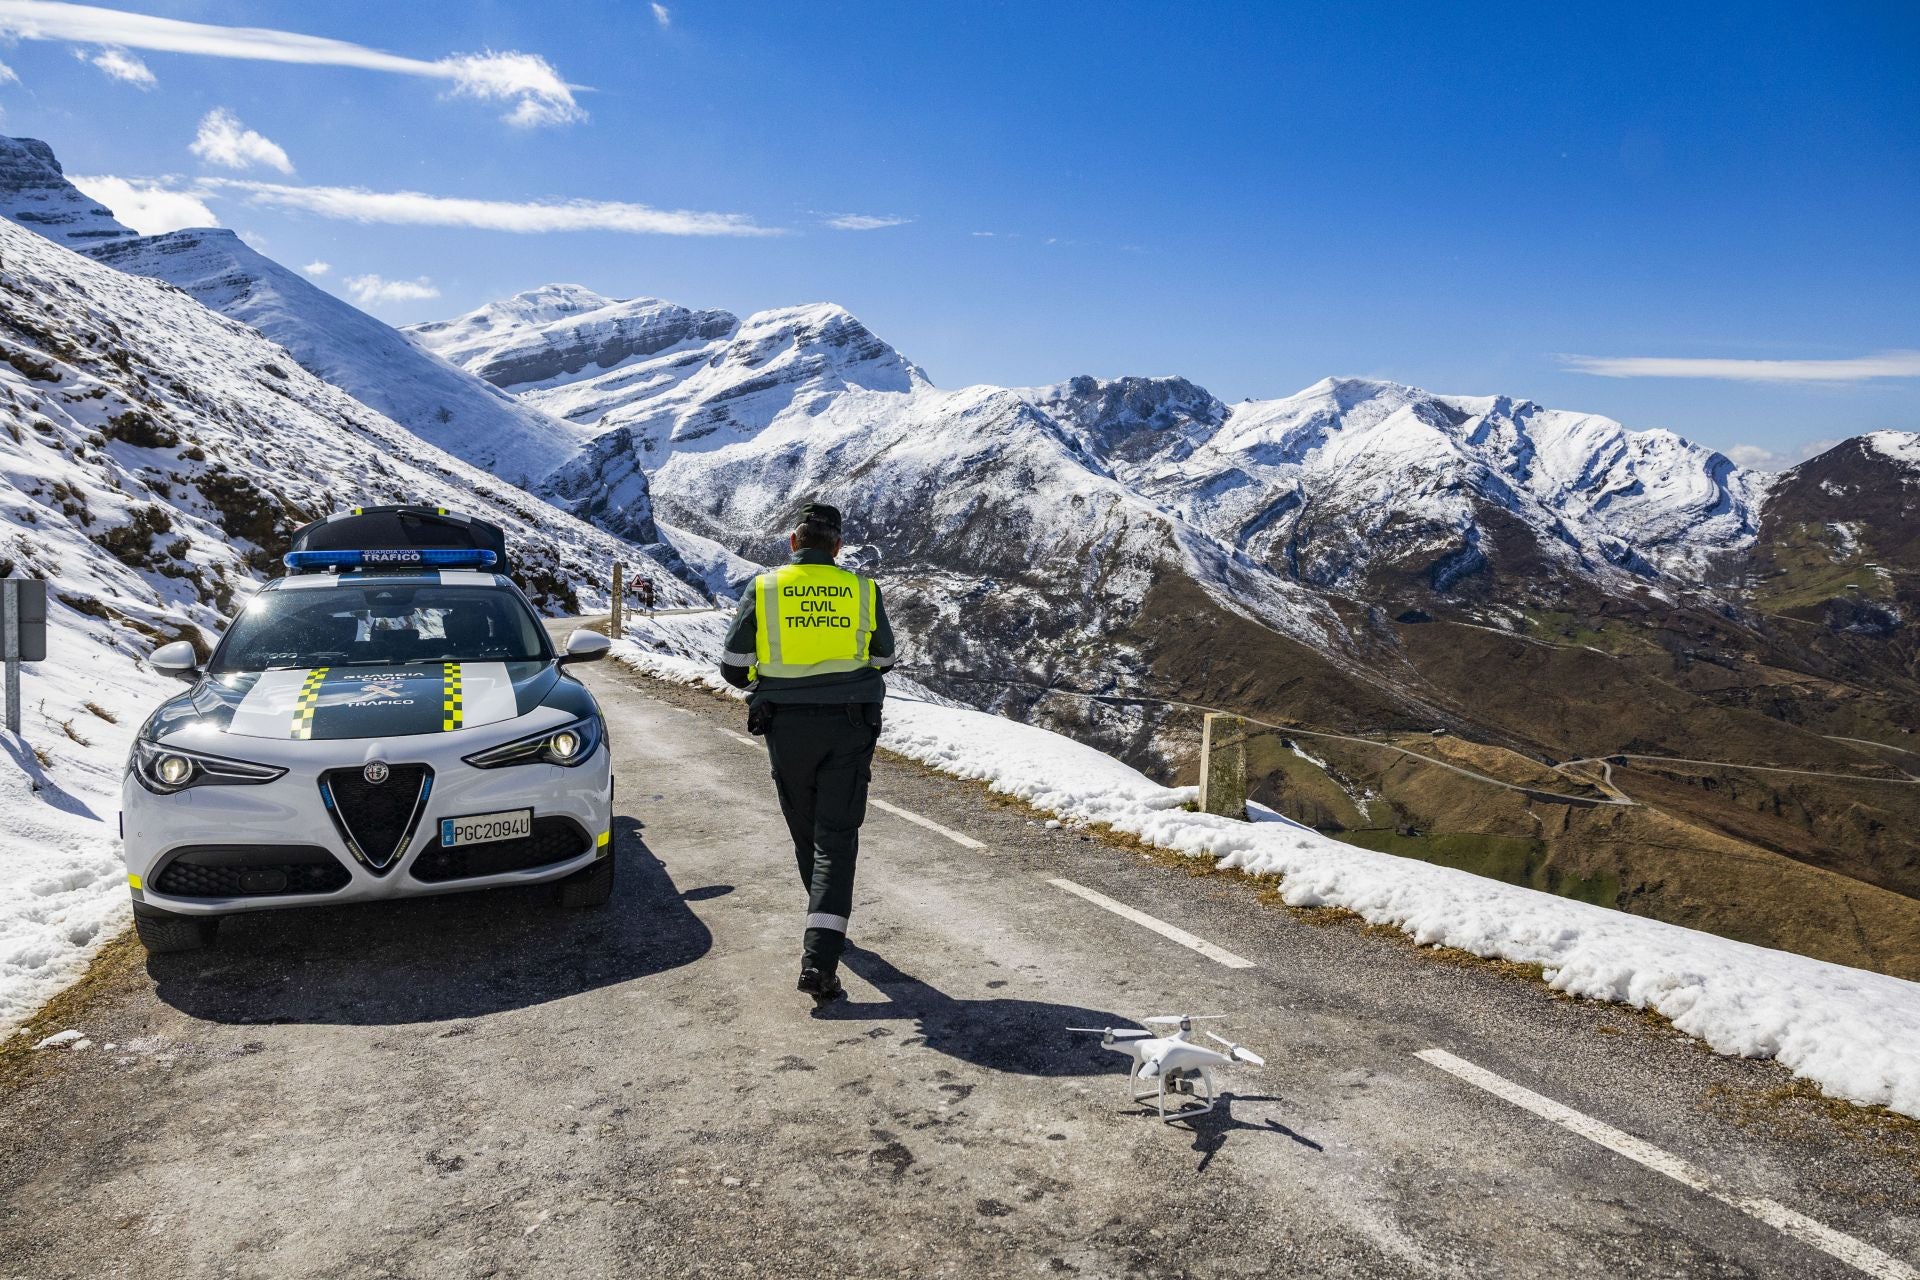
point(387, 720)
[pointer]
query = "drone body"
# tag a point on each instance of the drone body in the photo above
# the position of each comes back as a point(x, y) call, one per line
point(1173, 1061)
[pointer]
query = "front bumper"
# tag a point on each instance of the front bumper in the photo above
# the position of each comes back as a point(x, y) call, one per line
point(228, 832)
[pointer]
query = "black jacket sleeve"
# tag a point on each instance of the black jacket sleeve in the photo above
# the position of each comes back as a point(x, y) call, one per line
point(880, 653)
point(740, 652)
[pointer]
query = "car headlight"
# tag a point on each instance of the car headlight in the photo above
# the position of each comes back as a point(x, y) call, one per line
point(568, 745)
point(165, 770)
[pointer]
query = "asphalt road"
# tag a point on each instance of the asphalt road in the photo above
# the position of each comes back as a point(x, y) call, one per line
point(489, 1085)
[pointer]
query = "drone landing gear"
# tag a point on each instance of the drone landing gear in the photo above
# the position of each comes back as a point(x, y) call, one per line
point(1181, 1082)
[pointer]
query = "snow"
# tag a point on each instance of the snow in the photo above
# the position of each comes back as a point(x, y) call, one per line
point(1855, 1034)
point(1901, 446)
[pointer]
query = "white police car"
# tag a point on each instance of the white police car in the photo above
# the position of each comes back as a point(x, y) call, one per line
point(388, 720)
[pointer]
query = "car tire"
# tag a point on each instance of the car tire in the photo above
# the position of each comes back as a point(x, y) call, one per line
point(166, 934)
point(587, 887)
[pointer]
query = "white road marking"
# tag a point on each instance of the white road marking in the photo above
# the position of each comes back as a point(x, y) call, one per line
point(740, 738)
point(1855, 1253)
point(1217, 954)
point(964, 841)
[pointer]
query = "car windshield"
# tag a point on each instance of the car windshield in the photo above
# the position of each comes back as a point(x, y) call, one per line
point(381, 624)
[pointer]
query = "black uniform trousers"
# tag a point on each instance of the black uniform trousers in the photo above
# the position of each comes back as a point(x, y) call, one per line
point(822, 762)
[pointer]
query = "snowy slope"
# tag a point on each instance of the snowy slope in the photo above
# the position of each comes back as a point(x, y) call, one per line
point(35, 193)
point(564, 335)
point(153, 457)
point(345, 346)
point(1855, 1034)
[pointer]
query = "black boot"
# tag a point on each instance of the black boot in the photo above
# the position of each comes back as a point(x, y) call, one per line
point(823, 985)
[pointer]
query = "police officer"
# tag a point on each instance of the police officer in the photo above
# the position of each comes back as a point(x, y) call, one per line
point(808, 644)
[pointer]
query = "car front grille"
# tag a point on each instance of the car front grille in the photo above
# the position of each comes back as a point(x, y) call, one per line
point(377, 818)
point(250, 871)
point(554, 839)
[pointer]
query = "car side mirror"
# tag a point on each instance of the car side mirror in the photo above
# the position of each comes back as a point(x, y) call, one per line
point(176, 659)
point(586, 646)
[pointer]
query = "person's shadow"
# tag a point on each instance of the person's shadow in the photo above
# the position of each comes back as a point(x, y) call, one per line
point(439, 958)
point(1025, 1037)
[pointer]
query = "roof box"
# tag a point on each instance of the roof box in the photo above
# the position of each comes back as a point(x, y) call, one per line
point(398, 537)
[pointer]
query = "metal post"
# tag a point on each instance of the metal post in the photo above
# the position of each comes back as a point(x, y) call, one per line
point(619, 597)
point(10, 648)
point(1223, 766)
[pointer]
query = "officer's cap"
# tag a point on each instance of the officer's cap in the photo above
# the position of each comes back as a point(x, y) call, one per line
point(821, 516)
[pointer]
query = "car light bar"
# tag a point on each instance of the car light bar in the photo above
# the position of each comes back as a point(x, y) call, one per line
point(435, 557)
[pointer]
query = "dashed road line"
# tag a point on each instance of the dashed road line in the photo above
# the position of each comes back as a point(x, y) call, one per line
point(740, 738)
point(1857, 1254)
point(964, 841)
point(1219, 955)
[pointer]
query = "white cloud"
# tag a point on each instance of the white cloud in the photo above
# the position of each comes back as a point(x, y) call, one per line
point(864, 222)
point(317, 268)
point(120, 65)
point(373, 290)
point(1887, 364)
point(661, 16)
point(8, 75)
point(413, 208)
point(1760, 458)
point(986, 234)
point(224, 141)
point(537, 91)
point(147, 206)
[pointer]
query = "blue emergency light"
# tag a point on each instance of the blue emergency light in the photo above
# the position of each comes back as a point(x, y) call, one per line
point(403, 557)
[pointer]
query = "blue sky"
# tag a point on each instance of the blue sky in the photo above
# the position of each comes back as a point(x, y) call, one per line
point(1460, 196)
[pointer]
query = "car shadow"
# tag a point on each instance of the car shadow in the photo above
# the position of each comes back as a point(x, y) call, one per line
point(440, 958)
point(1024, 1037)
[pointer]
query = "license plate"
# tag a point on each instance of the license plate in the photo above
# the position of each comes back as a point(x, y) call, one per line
point(485, 828)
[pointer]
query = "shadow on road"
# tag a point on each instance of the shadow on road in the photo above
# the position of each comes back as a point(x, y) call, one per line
point(1210, 1130)
point(1025, 1037)
point(434, 959)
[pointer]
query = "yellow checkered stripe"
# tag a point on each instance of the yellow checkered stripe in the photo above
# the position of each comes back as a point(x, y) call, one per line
point(308, 702)
point(452, 708)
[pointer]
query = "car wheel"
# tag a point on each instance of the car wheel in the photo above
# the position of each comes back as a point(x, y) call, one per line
point(164, 934)
point(589, 886)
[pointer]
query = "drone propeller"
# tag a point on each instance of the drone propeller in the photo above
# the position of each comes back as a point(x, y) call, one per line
point(1182, 1020)
point(1118, 1033)
point(1237, 1053)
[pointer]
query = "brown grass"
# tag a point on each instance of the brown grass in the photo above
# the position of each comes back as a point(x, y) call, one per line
point(121, 958)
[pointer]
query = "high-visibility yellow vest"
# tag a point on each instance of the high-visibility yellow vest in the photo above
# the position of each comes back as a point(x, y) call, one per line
point(811, 620)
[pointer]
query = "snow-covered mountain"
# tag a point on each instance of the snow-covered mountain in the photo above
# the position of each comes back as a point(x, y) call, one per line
point(340, 344)
point(1367, 489)
point(35, 193)
point(1350, 475)
point(154, 454)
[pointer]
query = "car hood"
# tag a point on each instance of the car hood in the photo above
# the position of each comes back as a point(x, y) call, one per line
point(364, 702)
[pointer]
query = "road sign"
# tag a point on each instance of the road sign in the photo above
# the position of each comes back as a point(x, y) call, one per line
point(23, 635)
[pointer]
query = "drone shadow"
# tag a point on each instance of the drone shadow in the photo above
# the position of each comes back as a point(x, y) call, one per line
point(439, 958)
point(1210, 1129)
point(1022, 1037)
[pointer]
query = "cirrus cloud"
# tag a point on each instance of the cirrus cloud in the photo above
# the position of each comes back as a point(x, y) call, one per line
point(538, 93)
point(1886, 364)
point(415, 208)
point(373, 290)
point(224, 141)
point(120, 65)
point(864, 221)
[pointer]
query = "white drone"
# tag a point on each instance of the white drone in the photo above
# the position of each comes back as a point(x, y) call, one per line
point(1173, 1061)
